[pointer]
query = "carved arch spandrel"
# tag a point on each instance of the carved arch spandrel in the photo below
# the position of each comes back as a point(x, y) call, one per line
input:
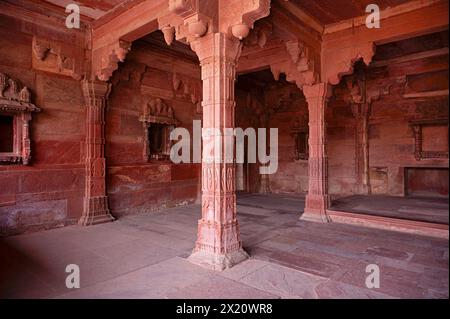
point(337, 63)
point(298, 66)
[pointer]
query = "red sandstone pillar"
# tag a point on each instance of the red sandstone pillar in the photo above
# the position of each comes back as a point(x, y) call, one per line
point(317, 200)
point(95, 201)
point(218, 245)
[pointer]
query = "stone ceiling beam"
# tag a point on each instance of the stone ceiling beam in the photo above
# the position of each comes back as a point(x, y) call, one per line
point(301, 15)
point(341, 49)
point(111, 41)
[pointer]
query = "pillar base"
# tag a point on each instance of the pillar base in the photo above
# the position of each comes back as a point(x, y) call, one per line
point(95, 212)
point(105, 217)
point(316, 209)
point(216, 261)
point(318, 217)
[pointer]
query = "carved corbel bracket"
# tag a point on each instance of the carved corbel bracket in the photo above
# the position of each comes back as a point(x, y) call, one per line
point(106, 60)
point(298, 65)
point(185, 22)
point(292, 74)
point(238, 17)
point(189, 87)
point(57, 57)
point(354, 87)
point(260, 34)
point(337, 63)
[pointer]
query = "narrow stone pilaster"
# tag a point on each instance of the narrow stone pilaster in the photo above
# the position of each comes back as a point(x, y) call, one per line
point(218, 245)
point(95, 200)
point(317, 200)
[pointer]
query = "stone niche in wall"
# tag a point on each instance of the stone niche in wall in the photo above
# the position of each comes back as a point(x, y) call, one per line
point(300, 133)
point(158, 120)
point(431, 138)
point(15, 116)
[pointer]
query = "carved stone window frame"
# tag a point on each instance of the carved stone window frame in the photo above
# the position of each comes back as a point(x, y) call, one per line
point(417, 126)
point(155, 111)
point(295, 132)
point(15, 101)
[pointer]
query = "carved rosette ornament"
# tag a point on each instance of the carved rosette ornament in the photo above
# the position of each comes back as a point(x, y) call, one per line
point(95, 201)
point(15, 102)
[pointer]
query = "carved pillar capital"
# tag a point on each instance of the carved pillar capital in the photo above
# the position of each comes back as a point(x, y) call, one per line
point(322, 91)
point(190, 19)
point(105, 60)
point(95, 91)
point(217, 46)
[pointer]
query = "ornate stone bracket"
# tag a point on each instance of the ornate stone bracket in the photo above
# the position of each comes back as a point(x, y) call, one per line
point(15, 102)
point(106, 60)
point(337, 63)
point(260, 34)
point(190, 88)
point(298, 67)
point(56, 57)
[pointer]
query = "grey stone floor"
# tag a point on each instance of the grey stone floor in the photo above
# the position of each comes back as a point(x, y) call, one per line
point(144, 256)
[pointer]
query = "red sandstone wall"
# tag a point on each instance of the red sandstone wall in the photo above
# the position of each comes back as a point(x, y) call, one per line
point(248, 115)
point(49, 191)
point(391, 139)
point(134, 185)
point(289, 107)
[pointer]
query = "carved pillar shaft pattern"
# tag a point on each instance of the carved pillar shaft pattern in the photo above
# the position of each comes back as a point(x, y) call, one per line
point(95, 201)
point(146, 151)
point(218, 244)
point(362, 113)
point(317, 200)
point(365, 148)
point(264, 187)
point(26, 152)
